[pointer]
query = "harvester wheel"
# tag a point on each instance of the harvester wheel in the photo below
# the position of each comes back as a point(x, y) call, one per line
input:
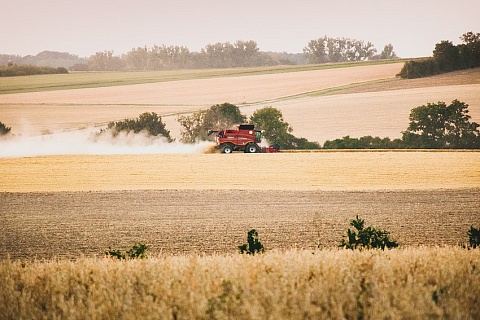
point(251, 148)
point(227, 148)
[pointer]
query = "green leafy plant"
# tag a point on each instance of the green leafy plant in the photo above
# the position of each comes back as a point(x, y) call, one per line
point(4, 129)
point(474, 237)
point(138, 251)
point(253, 245)
point(366, 237)
point(147, 121)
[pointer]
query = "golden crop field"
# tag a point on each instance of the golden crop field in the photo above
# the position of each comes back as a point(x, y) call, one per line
point(420, 283)
point(64, 195)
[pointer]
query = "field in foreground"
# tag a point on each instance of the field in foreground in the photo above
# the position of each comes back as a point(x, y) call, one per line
point(420, 283)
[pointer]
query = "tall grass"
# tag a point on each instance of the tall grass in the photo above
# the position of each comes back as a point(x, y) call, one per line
point(419, 283)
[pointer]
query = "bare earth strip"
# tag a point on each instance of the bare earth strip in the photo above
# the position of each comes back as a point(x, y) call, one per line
point(70, 224)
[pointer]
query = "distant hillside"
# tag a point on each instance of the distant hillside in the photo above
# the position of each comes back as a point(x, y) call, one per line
point(44, 59)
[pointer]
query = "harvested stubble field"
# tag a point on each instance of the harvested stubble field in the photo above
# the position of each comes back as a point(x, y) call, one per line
point(193, 210)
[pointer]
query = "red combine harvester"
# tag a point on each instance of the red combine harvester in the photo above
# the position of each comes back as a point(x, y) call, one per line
point(243, 138)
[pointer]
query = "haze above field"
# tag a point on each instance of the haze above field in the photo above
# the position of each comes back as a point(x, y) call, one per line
point(85, 27)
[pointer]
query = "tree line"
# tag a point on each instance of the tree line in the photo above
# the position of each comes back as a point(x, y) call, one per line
point(12, 70)
point(432, 126)
point(218, 55)
point(228, 55)
point(446, 57)
point(327, 49)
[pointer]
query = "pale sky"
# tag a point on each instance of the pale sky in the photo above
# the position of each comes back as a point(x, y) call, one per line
point(413, 27)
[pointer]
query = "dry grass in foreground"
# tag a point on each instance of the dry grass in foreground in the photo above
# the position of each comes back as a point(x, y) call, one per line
point(419, 283)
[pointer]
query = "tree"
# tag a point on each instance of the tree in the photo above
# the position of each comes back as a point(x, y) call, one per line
point(277, 131)
point(441, 126)
point(105, 61)
point(315, 51)
point(149, 122)
point(470, 50)
point(388, 52)
point(219, 116)
point(253, 245)
point(4, 129)
point(446, 56)
point(327, 49)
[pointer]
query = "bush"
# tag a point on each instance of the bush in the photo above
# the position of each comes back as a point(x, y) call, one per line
point(420, 68)
point(138, 251)
point(150, 122)
point(27, 70)
point(253, 245)
point(474, 237)
point(4, 129)
point(366, 238)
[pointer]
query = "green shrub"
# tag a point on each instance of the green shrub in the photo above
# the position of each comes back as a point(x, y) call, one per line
point(253, 245)
point(27, 70)
point(149, 122)
point(138, 251)
point(474, 237)
point(4, 129)
point(366, 238)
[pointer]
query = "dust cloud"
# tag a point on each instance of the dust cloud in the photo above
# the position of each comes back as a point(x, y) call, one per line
point(90, 142)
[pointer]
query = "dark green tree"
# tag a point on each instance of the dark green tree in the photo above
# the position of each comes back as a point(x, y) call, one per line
point(253, 245)
point(217, 117)
point(149, 122)
point(366, 142)
point(474, 237)
point(470, 50)
point(446, 56)
point(437, 125)
point(277, 131)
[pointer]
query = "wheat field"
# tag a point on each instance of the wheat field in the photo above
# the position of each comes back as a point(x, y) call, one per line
point(64, 199)
point(419, 283)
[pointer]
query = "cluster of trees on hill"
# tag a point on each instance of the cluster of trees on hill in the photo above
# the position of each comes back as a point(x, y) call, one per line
point(326, 49)
point(219, 55)
point(432, 126)
point(223, 116)
point(446, 57)
point(227, 55)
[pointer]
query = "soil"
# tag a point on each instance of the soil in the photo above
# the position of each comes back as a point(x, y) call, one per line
point(71, 224)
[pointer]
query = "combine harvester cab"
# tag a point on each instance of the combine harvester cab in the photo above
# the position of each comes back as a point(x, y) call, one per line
point(243, 138)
